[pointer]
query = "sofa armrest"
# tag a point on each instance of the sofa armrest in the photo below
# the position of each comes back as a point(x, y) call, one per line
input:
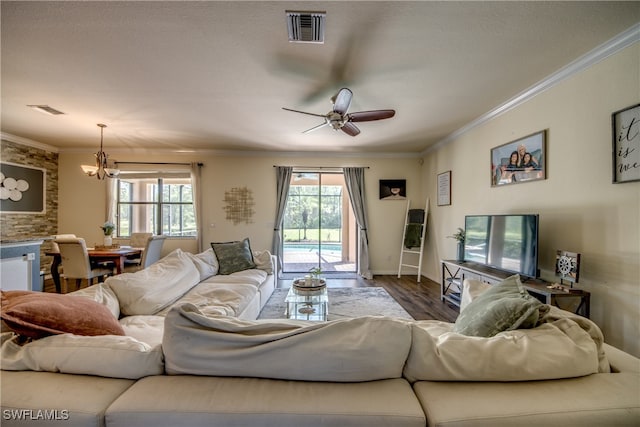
point(621, 361)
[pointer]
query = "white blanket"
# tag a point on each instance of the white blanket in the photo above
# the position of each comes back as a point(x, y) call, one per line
point(223, 299)
point(252, 276)
point(564, 346)
point(349, 350)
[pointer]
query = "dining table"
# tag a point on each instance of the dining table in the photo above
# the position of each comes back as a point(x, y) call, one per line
point(115, 255)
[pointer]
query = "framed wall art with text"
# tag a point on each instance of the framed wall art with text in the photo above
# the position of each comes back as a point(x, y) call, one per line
point(625, 126)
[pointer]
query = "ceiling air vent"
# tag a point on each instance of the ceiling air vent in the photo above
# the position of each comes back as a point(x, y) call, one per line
point(46, 109)
point(306, 27)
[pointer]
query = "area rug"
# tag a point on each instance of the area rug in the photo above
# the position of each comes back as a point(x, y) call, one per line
point(343, 303)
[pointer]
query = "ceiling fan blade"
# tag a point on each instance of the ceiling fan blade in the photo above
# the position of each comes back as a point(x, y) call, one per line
point(350, 129)
point(368, 116)
point(342, 100)
point(304, 112)
point(316, 127)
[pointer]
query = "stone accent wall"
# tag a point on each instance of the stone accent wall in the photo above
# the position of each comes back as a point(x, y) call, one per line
point(26, 226)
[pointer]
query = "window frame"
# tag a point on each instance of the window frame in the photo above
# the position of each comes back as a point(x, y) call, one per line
point(157, 202)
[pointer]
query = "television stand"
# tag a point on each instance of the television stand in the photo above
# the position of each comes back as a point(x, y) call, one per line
point(455, 272)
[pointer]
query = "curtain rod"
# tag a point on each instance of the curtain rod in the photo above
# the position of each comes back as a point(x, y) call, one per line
point(321, 167)
point(154, 163)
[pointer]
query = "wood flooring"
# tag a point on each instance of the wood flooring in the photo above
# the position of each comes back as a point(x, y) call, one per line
point(421, 300)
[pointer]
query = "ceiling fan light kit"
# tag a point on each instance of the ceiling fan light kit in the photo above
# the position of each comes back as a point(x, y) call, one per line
point(339, 119)
point(101, 170)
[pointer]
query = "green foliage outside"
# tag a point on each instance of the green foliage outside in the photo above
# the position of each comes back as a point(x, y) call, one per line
point(313, 214)
point(329, 235)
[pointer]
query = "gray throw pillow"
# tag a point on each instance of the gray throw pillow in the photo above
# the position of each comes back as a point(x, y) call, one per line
point(233, 256)
point(503, 307)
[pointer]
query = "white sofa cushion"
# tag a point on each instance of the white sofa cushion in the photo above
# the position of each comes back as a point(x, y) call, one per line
point(359, 349)
point(262, 260)
point(145, 328)
point(206, 263)
point(197, 401)
point(102, 294)
point(157, 286)
point(471, 289)
point(105, 355)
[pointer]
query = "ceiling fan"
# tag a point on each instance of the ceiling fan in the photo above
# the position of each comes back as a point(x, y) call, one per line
point(338, 118)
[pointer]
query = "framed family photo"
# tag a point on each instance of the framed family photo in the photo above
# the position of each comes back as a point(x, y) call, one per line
point(522, 160)
point(626, 144)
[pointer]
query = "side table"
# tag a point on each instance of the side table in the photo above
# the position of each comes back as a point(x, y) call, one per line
point(580, 298)
point(303, 304)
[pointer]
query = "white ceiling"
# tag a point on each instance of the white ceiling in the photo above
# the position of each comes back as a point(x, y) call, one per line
point(170, 76)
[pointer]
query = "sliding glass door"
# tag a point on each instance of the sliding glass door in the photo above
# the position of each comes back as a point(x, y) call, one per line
point(319, 226)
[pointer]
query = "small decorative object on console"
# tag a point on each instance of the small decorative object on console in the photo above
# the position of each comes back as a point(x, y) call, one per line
point(567, 266)
point(459, 236)
point(311, 282)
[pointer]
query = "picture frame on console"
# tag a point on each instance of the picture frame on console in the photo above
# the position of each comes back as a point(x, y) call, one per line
point(522, 160)
point(625, 129)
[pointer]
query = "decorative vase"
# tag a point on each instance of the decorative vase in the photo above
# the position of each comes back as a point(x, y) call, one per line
point(108, 241)
point(460, 255)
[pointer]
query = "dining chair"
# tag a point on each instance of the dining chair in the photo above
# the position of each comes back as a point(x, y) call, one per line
point(56, 248)
point(54, 245)
point(76, 262)
point(137, 240)
point(150, 254)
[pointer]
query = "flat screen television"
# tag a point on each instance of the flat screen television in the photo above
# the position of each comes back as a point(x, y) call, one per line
point(504, 242)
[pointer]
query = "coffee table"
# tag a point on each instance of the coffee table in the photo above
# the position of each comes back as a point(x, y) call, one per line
point(305, 304)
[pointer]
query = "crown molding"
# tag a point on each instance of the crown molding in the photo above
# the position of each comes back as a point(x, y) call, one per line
point(249, 153)
point(28, 142)
point(605, 50)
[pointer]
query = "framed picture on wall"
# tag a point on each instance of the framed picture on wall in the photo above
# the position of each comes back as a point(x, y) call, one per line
point(393, 189)
point(522, 160)
point(626, 144)
point(444, 188)
point(22, 189)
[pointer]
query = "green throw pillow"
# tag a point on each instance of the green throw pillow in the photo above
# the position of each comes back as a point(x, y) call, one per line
point(233, 256)
point(503, 307)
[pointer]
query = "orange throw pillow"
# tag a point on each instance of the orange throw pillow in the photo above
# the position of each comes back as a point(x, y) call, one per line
point(39, 314)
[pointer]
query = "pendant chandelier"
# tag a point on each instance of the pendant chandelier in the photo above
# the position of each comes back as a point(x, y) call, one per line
point(101, 170)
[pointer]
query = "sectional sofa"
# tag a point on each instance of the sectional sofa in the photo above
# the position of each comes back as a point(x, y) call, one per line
point(190, 352)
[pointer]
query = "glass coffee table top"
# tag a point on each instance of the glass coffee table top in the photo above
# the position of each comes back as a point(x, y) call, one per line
point(303, 304)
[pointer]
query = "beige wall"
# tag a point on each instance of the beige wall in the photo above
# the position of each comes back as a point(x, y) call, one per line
point(82, 199)
point(580, 209)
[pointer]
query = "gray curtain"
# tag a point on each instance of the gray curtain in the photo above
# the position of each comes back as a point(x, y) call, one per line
point(197, 200)
point(354, 178)
point(283, 181)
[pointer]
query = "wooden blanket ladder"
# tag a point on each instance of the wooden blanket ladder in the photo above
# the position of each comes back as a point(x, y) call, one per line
point(415, 228)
